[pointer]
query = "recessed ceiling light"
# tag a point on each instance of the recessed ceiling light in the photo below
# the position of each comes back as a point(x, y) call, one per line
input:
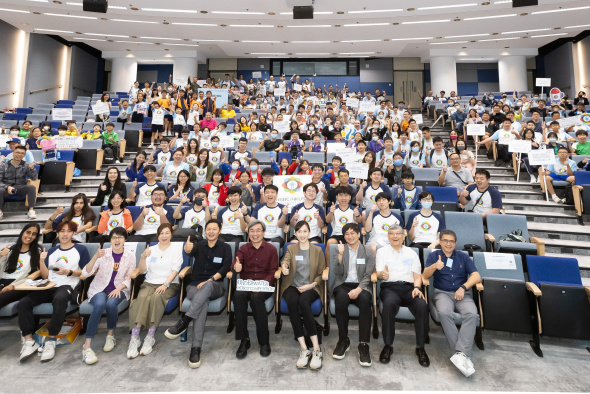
point(499, 39)
point(312, 53)
point(310, 26)
point(55, 31)
point(170, 10)
point(322, 12)
point(449, 42)
point(469, 35)
point(503, 2)
point(550, 35)
point(262, 41)
point(194, 24)
point(267, 53)
point(434, 21)
point(106, 35)
point(375, 40)
point(183, 45)
point(355, 53)
point(476, 18)
point(576, 27)
point(365, 24)
point(560, 10)
point(19, 11)
point(446, 6)
point(201, 40)
point(160, 38)
point(238, 12)
point(251, 25)
point(88, 39)
point(525, 31)
point(410, 39)
point(132, 21)
point(374, 11)
point(136, 42)
point(310, 42)
point(40, 1)
point(67, 15)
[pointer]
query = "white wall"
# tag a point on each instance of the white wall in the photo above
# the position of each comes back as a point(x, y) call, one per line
point(11, 65)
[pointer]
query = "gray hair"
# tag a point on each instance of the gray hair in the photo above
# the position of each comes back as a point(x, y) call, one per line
point(395, 227)
point(254, 223)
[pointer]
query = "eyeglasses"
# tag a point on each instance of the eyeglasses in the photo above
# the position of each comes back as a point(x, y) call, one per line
point(116, 237)
point(396, 233)
point(159, 195)
point(448, 241)
point(256, 231)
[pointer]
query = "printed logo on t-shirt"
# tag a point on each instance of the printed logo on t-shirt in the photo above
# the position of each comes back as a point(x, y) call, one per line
point(388, 161)
point(215, 194)
point(385, 227)
point(408, 200)
point(439, 162)
point(214, 159)
point(65, 260)
point(307, 218)
point(114, 223)
point(269, 218)
point(415, 161)
point(425, 226)
point(372, 198)
point(164, 159)
point(195, 220)
point(232, 219)
point(191, 159)
point(201, 172)
point(172, 173)
point(151, 219)
point(404, 150)
point(19, 264)
point(480, 202)
point(343, 220)
point(148, 193)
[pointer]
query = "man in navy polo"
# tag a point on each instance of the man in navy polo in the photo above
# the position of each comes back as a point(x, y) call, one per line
point(454, 275)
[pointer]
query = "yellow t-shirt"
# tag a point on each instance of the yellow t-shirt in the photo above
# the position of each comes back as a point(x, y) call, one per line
point(244, 127)
point(164, 103)
point(228, 114)
point(72, 133)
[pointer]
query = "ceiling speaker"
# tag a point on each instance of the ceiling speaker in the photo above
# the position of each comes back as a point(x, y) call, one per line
point(95, 6)
point(303, 12)
point(524, 3)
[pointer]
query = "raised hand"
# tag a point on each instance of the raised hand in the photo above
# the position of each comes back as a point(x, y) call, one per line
point(188, 246)
point(244, 210)
point(100, 252)
point(5, 251)
point(59, 210)
point(285, 209)
point(43, 255)
point(332, 208)
point(399, 191)
point(385, 273)
point(296, 216)
point(415, 222)
point(238, 265)
point(439, 264)
point(159, 211)
point(373, 208)
point(316, 215)
point(146, 253)
point(285, 269)
point(145, 211)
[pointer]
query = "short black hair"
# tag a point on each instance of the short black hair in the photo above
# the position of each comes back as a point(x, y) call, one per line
point(149, 167)
point(311, 185)
point(344, 190)
point(234, 190)
point(425, 194)
point(481, 171)
point(382, 195)
point(271, 187)
point(351, 226)
point(436, 139)
point(120, 231)
point(375, 169)
point(407, 174)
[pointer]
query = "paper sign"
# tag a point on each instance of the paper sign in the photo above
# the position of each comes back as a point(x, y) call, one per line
point(257, 74)
point(541, 157)
point(358, 170)
point(101, 108)
point(543, 82)
point(499, 261)
point(291, 188)
point(278, 92)
point(61, 114)
point(180, 81)
point(352, 102)
point(68, 142)
point(219, 95)
point(335, 146)
point(297, 87)
point(366, 106)
point(262, 90)
point(571, 121)
point(254, 285)
point(476, 129)
point(348, 155)
point(201, 82)
point(418, 118)
point(519, 146)
point(226, 141)
point(281, 126)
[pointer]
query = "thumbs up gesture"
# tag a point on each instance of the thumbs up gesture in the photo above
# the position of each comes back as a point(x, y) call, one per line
point(238, 265)
point(103, 187)
point(188, 246)
point(43, 255)
point(333, 208)
point(399, 191)
point(286, 209)
point(5, 251)
point(285, 269)
point(385, 273)
point(296, 216)
point(146, 253)
point(439, 264)
point(214, 214)
point(100, 252)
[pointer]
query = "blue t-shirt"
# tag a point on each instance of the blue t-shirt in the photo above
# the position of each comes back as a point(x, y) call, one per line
point(455, 273)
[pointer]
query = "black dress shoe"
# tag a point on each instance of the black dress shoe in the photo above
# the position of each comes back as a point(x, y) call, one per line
point(385, 355)
point(243, 349)
point(178, 329)
point(194, 360)
point(265, 350)
point(422, 357)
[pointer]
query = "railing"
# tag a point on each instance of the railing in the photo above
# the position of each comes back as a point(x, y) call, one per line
point(45, 90)
point(82, 89)
point(7, 93)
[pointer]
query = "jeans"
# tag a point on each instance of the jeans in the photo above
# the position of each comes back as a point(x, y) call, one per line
point(99, 301)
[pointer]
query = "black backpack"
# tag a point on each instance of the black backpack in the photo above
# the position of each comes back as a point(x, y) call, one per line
point(108, 156)
point(568, 195)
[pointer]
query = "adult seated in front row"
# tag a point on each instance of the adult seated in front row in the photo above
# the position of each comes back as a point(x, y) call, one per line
point(13, 180)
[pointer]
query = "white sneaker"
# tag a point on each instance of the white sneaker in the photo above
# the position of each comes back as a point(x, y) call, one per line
point(316, 360)
point(556, 199)
point(563, 200)
point(89, 356)
point(303, 361)
point(29, 348)
point(151, 146)
point(469, 363)
point(1, 214)
point(133, 345)
point(31, 214)
point(533, 179)
point(459, 359)
point(48, 351)
point(110, 343)
point(148, 344)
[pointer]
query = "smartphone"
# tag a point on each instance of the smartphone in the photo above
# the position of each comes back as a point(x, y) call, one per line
point(55, 269)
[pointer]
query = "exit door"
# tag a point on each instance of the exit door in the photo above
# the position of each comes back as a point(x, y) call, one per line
point(406, 85)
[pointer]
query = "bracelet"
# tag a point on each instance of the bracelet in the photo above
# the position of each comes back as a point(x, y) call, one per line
point(418, 287)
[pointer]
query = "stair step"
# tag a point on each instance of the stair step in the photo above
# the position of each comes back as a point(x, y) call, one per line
point(545, 217)
point(567, 247)
point(558, 231)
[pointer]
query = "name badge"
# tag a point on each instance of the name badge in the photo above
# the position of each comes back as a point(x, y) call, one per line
point(153, 259)
point(299, 258)
point(450, 263)
point(217, 260)
point(360, 261)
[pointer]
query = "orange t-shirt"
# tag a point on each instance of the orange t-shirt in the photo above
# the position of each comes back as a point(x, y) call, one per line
point(164, 102)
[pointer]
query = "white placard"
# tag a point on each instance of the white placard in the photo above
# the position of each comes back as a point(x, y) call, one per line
point(297, 87)
point(278, 92)
point(543, 82)
point(68, 142)
point(358, 170)
point(179, 80)
point(568, 122)
point(499, 261)
point(335, 146)
point(219, 95)
point(257, 74)
point(281, 125)
point(3, 139)
point(519, 146)
point(541, 157)
point(367, 106)
point(352, 102)
point(101, 108)
point(254, 285)
point(291, 188)
point(226, 141)
point(476, 129)
point(131, 247)
point(348, 155)
point(61, 114)
point(201, 82)
point(418, 118)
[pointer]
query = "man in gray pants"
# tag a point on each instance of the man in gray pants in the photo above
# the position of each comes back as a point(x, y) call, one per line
point(13, 179)
point(212, 262)
point(454, 275)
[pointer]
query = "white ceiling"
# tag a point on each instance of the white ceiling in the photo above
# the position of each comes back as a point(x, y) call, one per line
point(397, 34)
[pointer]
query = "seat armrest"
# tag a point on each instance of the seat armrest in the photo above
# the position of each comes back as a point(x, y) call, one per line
point(325, 230)
point(184, 272)
point(425, 282)
point(278, 273)
point(325, 274)
point(34, 275)
point(490, 237)
point(530, 286)
point(587, 288)
point(135, 273)
point(540, 245)
point(374, 277)
point(479, 287)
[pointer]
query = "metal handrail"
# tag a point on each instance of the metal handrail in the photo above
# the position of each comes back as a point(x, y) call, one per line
point(45, 90)
point(6, 93)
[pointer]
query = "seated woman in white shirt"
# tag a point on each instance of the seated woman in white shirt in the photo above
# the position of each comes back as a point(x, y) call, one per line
point(170, 171)
point(160, 264)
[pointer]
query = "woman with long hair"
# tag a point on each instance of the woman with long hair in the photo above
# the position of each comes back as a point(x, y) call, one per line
point(191, 151)
point(182, 188)
point(79, 213)
point(115, 216)
point(202, 169)
point(112, 181)
point(105, 98)
point(135, 166)
point(216, 190)
point(244, 126)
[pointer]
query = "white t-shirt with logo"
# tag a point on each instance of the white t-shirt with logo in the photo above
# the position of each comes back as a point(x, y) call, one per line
point(428, 226)
point(308, 214)
point(270, 217)
point(116, 220)
point(439, 160)
point(23, 267)
point(381, 225)
point(151, 222)
point(143, 193)
point(192, 217)
point(342, 218)
point(171, 171)
point(369, 196)
point(215, 158)
point(230, 221)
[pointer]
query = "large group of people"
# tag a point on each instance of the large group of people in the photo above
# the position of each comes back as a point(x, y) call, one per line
point(187, 188)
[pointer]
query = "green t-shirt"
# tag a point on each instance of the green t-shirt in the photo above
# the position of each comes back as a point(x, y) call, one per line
point(583, 149)
point(24, 133)
point(106, 135)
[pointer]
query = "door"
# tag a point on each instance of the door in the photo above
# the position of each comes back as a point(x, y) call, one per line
point(406, 85)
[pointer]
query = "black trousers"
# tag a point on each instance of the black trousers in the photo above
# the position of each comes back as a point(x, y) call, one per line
point(231, 238)
point(58, 296)
point(241, 299)
point(8, 297)
point(503, 154)
point(394, 295)
point(299, 305)
point(363, 302)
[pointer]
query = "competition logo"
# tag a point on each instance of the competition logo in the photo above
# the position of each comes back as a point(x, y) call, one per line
point(19, 264)
point(164, 159)
point(404, 149)
point(480, 202)
point(385, 227)
point(415, 161)
point(585, 118)
point(65, 260)
point(201, 172)
point(214, 159)
point(114, 223)
point(215, 194)
point(195, 220)
point(439, 162)
point(232, 219)
point(151, 219)
point(148, 193)
point(343, 220)
point(562, 171)
point(172, 173)
point(555, 94)
point(191, 159)
point(425, 226)
point(307, 218)
point(292, 185)
point(389, 161)
point(408, 200)
point(269, 218)
point(372, 198)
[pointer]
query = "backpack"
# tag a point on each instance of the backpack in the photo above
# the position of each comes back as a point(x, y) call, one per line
point(109, 156)
point(514, 236)
point(568, 195)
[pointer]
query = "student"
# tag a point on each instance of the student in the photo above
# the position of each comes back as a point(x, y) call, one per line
point(583, 146)
point(342, 179)
point(171, 169)
point(112, 181)
point(340, 215)
point(241, 154)
point(416, 158)
point(158, 120)
point(162, 155)
point(142, 191)
point(437, 158)
point(147, 223)
point(406, 196)
point(13, 180)
point(62, 265)
point(272, 214)
point(378, 221)
point(111, 140)
point(503, 136)
point(216, 190)
point(317, 173)
point(312, 213)
point(124, 113)
point(487, 199)
point(402, 145)
point(193, 216)
point(201, 170)
point(71, 131)
point(112, 270)
point(179, 122)
point(562, 170)
point(182, 142)
point(79, 213)
point(94, 134)
point(181, 188)
point(191, 151)
point(243, 182)
point(115, 216)
point(232, 217)
point(216, 154)
point(267, 180)
point(529, 135)
point(161, 263)
point(272, 144)
point(284, 167)
point(365, 197)
point(135, 166)
point(33, 139)
point(424, 225)
point(301, 285)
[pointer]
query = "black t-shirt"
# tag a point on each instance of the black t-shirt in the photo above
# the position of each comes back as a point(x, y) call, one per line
point(270, 145)
point(263, 127)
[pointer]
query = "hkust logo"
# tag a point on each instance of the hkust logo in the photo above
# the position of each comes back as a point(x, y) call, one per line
point(292, 185)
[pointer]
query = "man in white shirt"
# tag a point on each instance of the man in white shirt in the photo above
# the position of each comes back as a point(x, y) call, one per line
point(398, 268)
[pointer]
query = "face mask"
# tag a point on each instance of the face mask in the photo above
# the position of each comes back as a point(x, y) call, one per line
point(398, 162)
point(311, 128)
point(401, 107)
point(491, 97)
point(215, 144)
point(460, 147)
point(62, 132)
point(457, 106)
point(416, 149)
point(427, 204)
point(273, 136)
point(350, 114)
point(235, 166)
point(375, 138)
point(380, 116)
point(553, 140)
point(453, 137)
point(205, 134)
point(253, 168)
point(46, 128)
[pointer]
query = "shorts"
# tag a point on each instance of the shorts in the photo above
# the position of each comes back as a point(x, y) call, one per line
point(157, 128)
point(168, 117)
point(558, 177)
point(338, 238)
point(178, 128)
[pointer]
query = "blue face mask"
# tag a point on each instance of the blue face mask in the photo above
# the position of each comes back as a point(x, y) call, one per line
point(398, 162)
point(401, 107)
point(205, 134)
point(253, 168)
point(375, 138)
point(416, 149)
point(427, 204)
point(273, 136)
point(215, 144)
point(235, 166)
point(553, 140)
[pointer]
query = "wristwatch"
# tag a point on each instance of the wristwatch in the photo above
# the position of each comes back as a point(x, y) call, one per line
point(463, 287)
point(167, 285)
point(70, 273)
